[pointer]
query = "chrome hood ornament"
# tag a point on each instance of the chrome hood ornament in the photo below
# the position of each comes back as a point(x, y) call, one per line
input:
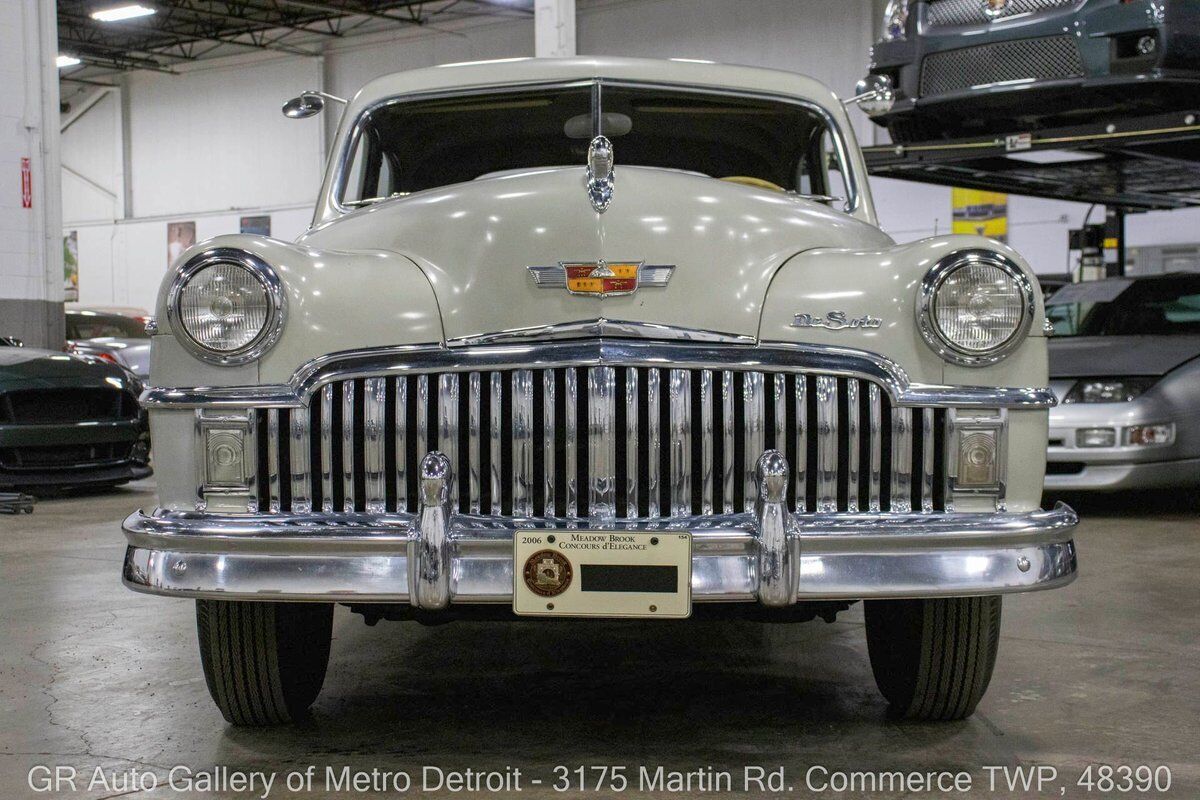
point(600, 173)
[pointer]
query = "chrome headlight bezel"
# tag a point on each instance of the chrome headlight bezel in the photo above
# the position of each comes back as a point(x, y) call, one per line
point(261, 271)
point(932, 333)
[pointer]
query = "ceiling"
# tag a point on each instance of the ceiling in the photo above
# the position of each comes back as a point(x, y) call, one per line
point(185, 31)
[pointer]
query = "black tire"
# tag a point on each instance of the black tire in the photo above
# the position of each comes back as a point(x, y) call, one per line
point(264, 662)
point(933, 659)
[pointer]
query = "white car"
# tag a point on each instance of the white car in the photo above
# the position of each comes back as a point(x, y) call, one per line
point(597, 337)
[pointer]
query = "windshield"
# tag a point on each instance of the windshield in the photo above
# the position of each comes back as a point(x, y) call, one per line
point(411, 145)
point(90, 325)
point(1157, 307)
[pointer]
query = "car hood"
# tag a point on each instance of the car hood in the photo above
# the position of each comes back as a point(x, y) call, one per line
point(475, 242)
point(31, 368)
point(133, 353)
point(1113, 356)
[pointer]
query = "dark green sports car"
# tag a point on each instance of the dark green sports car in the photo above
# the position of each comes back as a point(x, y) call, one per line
point(68, 421)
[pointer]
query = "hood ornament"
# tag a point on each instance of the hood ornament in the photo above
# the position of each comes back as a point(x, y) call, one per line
point(601, 278)
point(600, 173)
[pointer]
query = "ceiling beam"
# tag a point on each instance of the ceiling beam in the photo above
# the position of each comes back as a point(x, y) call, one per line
point(348, 11)
point(190, 7)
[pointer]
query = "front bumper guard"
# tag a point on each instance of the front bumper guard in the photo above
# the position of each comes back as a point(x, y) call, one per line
point(436, 558)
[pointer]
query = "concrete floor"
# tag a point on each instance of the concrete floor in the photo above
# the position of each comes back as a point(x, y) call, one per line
point(1105, 671)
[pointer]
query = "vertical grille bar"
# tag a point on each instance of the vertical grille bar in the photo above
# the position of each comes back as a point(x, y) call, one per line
point(422, 431)
point(522, 442)
point(447, 421)
point(631, 432)
point(875, 432)
point(827, 441)
point(780, 416)
point(752, 398)
point(348, 445)
point(654, 438)
point(497, 437)
point(681, 442)
point(602, 434)
point(374, 400)
point(901, 493)
point(852, 428)
point(301, 468)
point(401, 443)
point(273, 460)
point(548, 433)
point(570, 423)
point(927, 459)
point(474, 431)
point(327, 448)
point(727, 477)
point(802, 434)
point(706, 439)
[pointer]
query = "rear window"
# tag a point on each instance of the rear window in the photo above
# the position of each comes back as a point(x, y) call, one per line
point(1157, 307)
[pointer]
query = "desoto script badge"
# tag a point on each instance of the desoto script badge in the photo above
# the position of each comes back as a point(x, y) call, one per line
point(547, 573)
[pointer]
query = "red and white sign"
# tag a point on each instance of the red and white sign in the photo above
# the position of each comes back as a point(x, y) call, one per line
point(26, 184)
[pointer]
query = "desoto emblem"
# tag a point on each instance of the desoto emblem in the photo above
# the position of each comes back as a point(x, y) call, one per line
point(547, 573)
point(601, 278)
point(994, 8)
point(836, 321)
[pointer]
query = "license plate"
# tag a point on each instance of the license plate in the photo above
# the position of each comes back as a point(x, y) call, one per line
point(602, 574)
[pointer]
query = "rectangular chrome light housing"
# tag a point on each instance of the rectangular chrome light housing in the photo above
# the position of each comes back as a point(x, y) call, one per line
point(977, 452)
point(227, 453)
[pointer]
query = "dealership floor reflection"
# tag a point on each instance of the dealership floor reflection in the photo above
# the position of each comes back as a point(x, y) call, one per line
point(1101, 672)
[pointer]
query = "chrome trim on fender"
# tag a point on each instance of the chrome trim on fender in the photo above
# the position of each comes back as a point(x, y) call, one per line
point(776, 356)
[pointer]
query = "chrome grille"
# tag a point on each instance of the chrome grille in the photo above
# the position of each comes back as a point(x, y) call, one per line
point(1024, 59)
point(602, 442)
point(943, 13)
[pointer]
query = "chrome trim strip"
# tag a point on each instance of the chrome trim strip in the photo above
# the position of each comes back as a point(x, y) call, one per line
point(654, 439)
point(602, 443)
point(781, 356)
point(601, 327)
point(548, 433)
point(680, 443)
point(401, 416)
point(803, 431)
point(571, 430)
point(901, 489)
point(705, 475)
point(875, 431)
point(430, 559)
point(497, 437)
point(827, 444)
point(273, 479)
point(927, 459)
point(374, 401)
point(348, 446)
point(522, 442)
point(474, 432)
point(727, 476)
point(631, 451)
point(755, 428)
point(301, 454)
point(327, 448)
point(852, 443)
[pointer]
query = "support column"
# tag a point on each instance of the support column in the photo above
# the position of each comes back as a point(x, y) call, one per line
point(31, 247)
point(554, 28)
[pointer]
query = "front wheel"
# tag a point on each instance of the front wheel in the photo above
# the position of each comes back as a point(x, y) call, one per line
point(933, 659)
point(264, 663)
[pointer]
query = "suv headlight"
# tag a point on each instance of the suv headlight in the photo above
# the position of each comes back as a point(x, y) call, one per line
point(227, 306)
point(975, 307)
point(1107, 390)
point(895, 20)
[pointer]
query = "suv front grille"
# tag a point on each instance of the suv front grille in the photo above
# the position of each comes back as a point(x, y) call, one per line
point(943, 13)
point(1050, 58)
point(601, 443)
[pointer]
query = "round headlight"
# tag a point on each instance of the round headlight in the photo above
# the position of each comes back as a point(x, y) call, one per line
point(975, 307)
point(227, 305)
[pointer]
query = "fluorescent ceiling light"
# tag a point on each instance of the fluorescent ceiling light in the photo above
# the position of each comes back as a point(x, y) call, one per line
point(1054, 156)
point(66, 61)
point(119, 13)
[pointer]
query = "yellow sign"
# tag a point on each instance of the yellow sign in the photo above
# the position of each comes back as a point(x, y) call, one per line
point(981, 213)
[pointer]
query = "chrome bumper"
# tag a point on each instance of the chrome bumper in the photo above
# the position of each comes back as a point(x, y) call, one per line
point(434, 558)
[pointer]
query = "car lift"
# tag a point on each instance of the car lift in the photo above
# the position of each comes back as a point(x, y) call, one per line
point(1148, 163)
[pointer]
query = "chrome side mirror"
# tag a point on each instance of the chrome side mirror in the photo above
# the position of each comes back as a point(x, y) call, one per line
point(308, 104)
point(874, 94)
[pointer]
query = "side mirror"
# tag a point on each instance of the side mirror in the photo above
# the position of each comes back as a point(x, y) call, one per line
point(306, 105)
point(874, 94)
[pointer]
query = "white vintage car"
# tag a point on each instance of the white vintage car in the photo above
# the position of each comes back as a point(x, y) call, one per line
point(597, 337)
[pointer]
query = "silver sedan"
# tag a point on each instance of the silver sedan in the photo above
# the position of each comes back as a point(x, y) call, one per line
point(1125, 365)
point(116, 338)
